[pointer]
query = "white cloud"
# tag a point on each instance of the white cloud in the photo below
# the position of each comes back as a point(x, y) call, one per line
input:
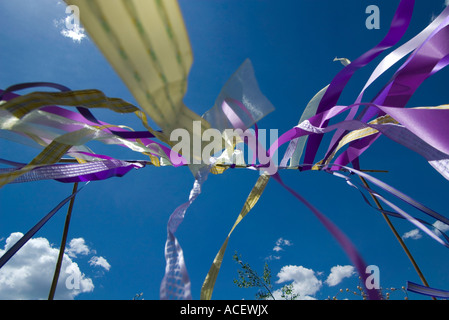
point(338, 273)
point(440, 226)
point(76, 247)
point(272, 257)
point(70, 30)
point(101, 262)
point(412, 234)
point(304, 281)
point(76, 34)
point(280, 243)
point(29, 273)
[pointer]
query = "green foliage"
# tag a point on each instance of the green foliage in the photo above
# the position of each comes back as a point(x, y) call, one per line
point(248, 278)
point(287, 292)
point(138, 296)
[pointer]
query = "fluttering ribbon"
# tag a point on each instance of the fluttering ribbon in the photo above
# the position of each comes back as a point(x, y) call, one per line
point(253, 198)
point(422, 63)
point(399, 212)
point(431, 141)
point(432, 292)
point(70, 173)
point(19, 107)
point(342, 239)
point(58, 118)
point(398, 26)
point(421, 130)
point(22, 241)
point(176, 283)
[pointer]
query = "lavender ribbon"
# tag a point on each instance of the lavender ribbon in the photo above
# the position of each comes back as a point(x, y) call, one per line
point(432, 292)
point(421, 224)
point(399, 25)
point(430, 57)
point(70, 173)
point(176, 282)
point(22, 241)
point(85, 117)
point(342, 239)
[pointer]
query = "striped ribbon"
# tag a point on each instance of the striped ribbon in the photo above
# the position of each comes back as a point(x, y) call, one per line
point(425, 59)
point(398, 26)
point(341, 238)
point(22, 241)
point(70, 173)
point(176, 283)
point(399, 212)
point(211, 277)
point(432, 292)
point(21, 106)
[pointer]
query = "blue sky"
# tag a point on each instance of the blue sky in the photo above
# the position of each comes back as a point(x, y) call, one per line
point(118, 226)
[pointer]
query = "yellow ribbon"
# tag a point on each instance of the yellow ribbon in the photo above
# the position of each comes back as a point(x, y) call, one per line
point(147, 44)
point(209, 282)
point(22, 105)
point(53, 152)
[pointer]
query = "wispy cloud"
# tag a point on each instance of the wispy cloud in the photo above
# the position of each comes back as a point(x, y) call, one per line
point(415, 234)
point(272, 257)
point(70, 30)
point(412, 234)
point(29, 273)
point(279, 246)
point(281, 243)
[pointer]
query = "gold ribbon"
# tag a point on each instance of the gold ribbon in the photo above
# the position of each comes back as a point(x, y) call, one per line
point(147, 44)
point(209, 282)
point(20, 106)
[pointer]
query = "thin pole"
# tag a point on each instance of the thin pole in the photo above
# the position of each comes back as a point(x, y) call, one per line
point(51, 294)
point(393, 229)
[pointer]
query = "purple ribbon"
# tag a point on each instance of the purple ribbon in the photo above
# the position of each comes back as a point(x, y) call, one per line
point(86, 117)
point(22, 241)
point(176, 282)
point(429, 58)
point(432, 292)
point(399, 25)
point(342, 239)
point(81, 172)
point(400, 213)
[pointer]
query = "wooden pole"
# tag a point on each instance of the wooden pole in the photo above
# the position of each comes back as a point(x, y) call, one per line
point(51, 294)
point(398, 237)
